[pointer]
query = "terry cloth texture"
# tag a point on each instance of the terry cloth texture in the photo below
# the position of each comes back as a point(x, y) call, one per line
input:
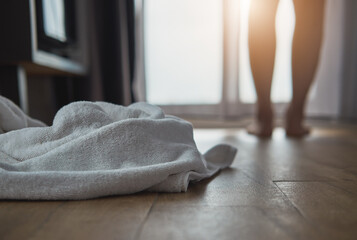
point(96, 149)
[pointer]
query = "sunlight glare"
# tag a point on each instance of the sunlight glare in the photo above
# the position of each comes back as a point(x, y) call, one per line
point(281, 86)
point(183, 51)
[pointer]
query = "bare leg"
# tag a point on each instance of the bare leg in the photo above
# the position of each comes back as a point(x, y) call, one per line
point(262, 54)
point(306, 49)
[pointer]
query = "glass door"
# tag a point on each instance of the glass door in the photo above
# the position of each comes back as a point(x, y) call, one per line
point(196, 59)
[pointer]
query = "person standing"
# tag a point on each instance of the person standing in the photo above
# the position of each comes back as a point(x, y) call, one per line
point(305, 55)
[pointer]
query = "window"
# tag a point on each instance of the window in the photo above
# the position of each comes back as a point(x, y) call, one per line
point(196, 60)
point(183, 51)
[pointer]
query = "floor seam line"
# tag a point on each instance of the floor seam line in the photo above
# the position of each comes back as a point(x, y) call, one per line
point(298, 211)
point(140, 228)
point(47, 218)
point(286, 196)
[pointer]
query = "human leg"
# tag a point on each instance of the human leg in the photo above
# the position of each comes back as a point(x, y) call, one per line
point(305, 56)
point(262, 55)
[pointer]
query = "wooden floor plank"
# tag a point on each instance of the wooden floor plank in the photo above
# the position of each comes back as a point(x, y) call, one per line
point(279, 188)
point(334, 211)
point(20, 219)
point(281, 158)
point(253, 205)
point(230, 187)
point(207, 222)
point(104, 218)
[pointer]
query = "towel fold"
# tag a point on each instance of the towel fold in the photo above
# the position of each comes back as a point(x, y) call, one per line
point(96, 149)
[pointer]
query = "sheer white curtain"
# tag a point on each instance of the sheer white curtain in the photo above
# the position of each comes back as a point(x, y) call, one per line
point(193, 58)
point(324, 99)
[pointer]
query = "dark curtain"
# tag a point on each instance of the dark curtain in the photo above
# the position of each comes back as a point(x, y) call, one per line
point(111, 50)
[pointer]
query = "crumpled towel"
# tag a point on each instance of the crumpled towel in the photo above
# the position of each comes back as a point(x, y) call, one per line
point(96, 149)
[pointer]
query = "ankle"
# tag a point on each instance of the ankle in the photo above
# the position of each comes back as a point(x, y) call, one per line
point(265, 117)
point(265, 113)
point(294, 118)
point(295, 109)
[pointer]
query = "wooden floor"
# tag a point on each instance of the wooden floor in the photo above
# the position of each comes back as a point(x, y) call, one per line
point(276, 189)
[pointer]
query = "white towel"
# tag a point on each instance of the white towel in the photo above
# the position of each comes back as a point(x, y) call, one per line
point(96, 149)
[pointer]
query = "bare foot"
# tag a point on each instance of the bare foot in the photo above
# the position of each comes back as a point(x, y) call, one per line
point(294, 124)
point(260, 129)
point(263, 126)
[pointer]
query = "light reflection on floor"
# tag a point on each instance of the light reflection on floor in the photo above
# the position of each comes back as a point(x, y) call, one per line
point(204, 137)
